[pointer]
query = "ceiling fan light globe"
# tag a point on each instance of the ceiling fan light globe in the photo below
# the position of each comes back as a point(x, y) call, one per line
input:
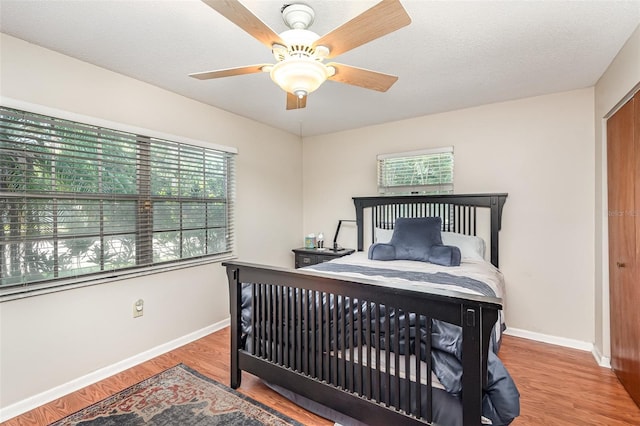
point(299, 75)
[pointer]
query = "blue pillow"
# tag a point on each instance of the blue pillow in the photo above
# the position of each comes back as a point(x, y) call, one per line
point(445, 255)
point(382, 251)
point(413, 237)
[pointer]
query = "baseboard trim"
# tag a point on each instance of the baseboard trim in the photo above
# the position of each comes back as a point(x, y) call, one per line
point(30, 403)
point(603, 361)
point(554, 340)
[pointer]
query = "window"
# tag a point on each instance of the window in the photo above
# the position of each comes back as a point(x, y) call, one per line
point(417, 172)
point(79, 200)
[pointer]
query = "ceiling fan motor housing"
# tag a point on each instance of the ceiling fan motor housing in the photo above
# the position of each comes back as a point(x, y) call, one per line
point(299, 44)
point(300, 40)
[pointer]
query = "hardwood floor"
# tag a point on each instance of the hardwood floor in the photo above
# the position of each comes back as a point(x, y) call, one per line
point(558, 386)
point(561, 386)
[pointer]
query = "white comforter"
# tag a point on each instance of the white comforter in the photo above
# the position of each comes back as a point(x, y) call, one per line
point(477, 269)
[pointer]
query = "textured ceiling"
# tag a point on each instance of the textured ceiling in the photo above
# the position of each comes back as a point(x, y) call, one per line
point(453, 55)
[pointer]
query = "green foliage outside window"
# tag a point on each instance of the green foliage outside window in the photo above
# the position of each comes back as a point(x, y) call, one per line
point(412, 173)
point(76, 199)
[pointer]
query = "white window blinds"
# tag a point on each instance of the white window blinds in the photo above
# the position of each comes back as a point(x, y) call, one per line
point(416, 172)
point(79, 200)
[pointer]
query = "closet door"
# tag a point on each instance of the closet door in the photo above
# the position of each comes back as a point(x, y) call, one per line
point(623, 165)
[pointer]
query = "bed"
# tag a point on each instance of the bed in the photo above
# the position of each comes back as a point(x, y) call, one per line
point(369, 345)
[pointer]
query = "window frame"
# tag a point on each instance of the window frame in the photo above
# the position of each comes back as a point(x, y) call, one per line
point(385, 187)
point(228, 153)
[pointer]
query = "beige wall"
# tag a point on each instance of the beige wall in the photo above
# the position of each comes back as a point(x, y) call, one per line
point(618, 81)
point(52, 339)
point(540, 150)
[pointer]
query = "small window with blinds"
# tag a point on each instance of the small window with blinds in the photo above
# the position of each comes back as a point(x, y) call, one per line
point(78, 200)
point(417, 172)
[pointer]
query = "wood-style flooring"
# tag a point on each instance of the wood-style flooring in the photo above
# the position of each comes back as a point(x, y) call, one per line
point(558, 386)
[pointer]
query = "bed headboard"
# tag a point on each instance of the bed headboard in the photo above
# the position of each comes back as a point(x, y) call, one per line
point(459, 213)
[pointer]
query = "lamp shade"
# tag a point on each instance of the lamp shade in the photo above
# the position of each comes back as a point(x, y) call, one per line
point(300, 75)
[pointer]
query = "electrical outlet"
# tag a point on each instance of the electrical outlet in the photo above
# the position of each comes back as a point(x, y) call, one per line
point(138, 308)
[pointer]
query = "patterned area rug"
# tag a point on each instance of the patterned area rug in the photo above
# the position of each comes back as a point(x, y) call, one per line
point(178, 396)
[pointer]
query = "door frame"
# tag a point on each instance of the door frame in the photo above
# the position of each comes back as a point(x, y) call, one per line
point(604, 359)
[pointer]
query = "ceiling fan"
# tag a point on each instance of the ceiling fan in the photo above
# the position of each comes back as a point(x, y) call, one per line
point(300, 53)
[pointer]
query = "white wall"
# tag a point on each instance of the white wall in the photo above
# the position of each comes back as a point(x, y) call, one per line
point(618, 81)
point(49, 340)
point(540, 150)
point(519, 147)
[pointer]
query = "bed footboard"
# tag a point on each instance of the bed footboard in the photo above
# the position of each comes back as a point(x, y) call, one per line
point(355, 346)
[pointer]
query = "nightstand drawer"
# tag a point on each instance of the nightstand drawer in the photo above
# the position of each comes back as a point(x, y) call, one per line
point(307, 257)
point(306, 260)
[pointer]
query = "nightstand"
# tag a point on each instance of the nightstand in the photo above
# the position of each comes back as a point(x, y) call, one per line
point(308, 257)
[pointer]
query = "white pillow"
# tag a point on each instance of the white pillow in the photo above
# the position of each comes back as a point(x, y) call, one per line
point(471, 247)
point(382, 235)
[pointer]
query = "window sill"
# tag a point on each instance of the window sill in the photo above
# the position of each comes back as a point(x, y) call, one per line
point(31, 290)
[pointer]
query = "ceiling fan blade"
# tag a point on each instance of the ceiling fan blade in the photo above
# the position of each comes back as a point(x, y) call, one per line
point(207, 75)
point(382, 19)
point(294, 102)
point(361, 77)
point(235, 11)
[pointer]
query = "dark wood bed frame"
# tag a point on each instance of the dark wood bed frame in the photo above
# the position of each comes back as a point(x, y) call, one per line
point(301, 345)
